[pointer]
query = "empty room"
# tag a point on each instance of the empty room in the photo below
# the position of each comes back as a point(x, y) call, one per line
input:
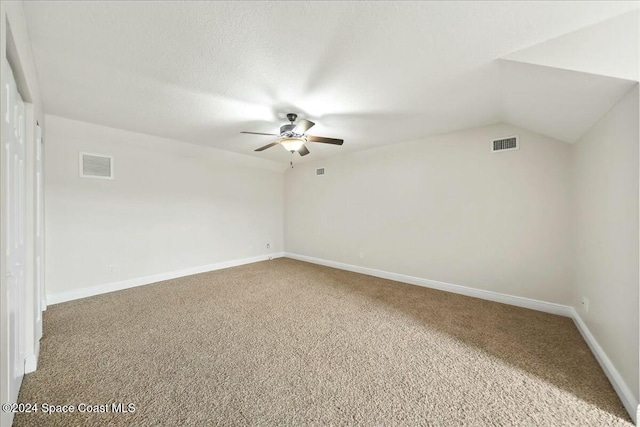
point(371, 213)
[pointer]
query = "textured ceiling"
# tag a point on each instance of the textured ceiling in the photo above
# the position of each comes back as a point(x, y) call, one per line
point(373, 73)
point(609, 48)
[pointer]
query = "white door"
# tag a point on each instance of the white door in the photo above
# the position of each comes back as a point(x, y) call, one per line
point(14, 224)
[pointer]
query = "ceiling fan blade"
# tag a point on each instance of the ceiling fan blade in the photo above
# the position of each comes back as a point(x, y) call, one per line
point(324, 140)
point(260, 133)
point(266, 146)
point(303, 126)
point(303, 151)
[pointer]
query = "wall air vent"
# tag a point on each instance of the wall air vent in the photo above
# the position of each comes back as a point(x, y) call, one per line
point(505, 144)
point(96, 166)
point(320, 171)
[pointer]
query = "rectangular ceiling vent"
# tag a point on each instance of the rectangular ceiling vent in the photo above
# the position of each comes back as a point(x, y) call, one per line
point(320, 171)
point(96, 166)
point(505, 144)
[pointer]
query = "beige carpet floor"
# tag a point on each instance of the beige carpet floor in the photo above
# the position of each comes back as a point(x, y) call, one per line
point(285, 343)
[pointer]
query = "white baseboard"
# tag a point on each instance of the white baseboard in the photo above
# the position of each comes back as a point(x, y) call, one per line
point(547, 307)
point(31, 361)
point(624, 392)
point(141, 281)
point(620, 386)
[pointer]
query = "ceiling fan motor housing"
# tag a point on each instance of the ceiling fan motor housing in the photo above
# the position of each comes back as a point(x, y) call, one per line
point(284, 129)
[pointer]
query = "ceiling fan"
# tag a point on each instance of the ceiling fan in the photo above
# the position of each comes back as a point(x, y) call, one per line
point(293, 138)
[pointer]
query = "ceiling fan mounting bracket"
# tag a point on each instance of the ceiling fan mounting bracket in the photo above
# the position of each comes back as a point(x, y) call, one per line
point(292, 117)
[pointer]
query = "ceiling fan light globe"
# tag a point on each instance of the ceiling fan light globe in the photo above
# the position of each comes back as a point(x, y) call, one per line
point(292, 144)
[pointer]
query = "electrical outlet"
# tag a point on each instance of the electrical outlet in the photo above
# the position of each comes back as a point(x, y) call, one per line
point(585, 304)
point(268, 245)
point(111, 268)
point(361, 255)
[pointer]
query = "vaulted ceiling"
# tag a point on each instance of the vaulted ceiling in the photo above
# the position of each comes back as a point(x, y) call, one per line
point(373, 73)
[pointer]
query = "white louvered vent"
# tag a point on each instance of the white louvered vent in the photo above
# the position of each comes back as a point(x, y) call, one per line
point(96, 166)
point(505, 144)
point(320, 171)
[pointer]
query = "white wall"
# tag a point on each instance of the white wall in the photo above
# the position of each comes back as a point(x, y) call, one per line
point(171, 206)
point(444, 208)
point(605, 181)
